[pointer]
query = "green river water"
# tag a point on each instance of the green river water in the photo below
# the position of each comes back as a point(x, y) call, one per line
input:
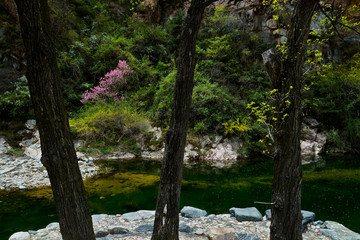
point(331, 189)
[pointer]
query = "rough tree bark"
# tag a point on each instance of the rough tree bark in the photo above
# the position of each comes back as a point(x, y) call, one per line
point(166, 222)
point(287, 76)
point(58, 153)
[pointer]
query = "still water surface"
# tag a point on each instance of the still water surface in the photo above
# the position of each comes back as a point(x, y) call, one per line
point(331, 189)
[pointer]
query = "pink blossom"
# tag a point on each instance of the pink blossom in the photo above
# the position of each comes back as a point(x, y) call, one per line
point(108, 88)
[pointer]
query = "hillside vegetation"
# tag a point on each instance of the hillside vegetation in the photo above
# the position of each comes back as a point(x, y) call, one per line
point(93, 36)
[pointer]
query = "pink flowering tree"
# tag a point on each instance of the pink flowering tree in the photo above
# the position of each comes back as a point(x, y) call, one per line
point(108, 88)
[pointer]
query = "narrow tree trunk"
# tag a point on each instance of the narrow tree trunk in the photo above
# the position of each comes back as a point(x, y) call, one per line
point(167, 208)
point(286, 212)
point(58, 153)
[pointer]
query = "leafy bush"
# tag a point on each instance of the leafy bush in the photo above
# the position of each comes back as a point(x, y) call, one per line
point(16, 104)
point(334, 99)
point(211, 106)
point(333, 139)
point(110, 123)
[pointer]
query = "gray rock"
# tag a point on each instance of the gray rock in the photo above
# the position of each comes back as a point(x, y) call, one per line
point(79, 143)
point(247, 236)
point(139, 215)
point(318, 223)
point(4, 146)
point(308, 133)
point(307, 217)
point(185, 228)
point(33, 151)
point(268, 214)
point(191, 212)
point(42, 233)
point(205, 141)
point(101, 233)
point(30, 124)
point(312, 122)
point(217, 140)
point(117, 230)
point(32, 231)
point(98, 217)
point(271, 23)
point(144, 228)
point(337, 231)
point(246, 214)
point(20, 236)
point(53, 226)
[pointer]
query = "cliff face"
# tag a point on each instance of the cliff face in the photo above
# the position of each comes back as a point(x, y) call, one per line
point(259, 18)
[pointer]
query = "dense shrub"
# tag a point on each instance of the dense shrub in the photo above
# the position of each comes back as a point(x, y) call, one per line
point(211, 106)
point(334, 100)
point(16, 104)
point(110, 123)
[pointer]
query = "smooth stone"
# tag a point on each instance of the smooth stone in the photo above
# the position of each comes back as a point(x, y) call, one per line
point(185, 228)
point(53, 226)
point(268, 214)
point(318, 223)
point(101, 233)
point(117, 230)
point(41, 233)
point(139, 215)
point(191, 212)
point(307, 217)
point(246, 214)
point(144, 228)
point(20, 236)
point(337, 231)
point(32, 231)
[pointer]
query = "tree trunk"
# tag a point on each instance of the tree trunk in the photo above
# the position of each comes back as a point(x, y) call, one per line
point(58, 153)
point(286, 212)
point(167, 207)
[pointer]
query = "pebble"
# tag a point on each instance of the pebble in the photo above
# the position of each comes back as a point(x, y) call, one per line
point(117, 227)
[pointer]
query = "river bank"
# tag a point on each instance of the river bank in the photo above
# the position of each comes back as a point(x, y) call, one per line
point(24, 170)
point(194, 224)
point(18, 168)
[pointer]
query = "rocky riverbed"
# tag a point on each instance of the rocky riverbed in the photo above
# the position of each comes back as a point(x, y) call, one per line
point(22, 171)
point(242, 224)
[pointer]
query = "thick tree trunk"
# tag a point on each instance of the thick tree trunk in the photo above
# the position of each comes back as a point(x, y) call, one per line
point(58, 153)
point(167, 208)
point(286, 211)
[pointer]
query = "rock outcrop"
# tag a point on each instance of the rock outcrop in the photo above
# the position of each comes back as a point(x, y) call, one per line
point(312, 141)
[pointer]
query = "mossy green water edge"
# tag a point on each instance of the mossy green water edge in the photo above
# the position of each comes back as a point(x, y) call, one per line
point(331, 189)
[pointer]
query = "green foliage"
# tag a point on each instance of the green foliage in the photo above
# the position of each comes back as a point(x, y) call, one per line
point(15, 104)
point(108, 123)
point(211, 106)
point(335, 99)
point(333, 139)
